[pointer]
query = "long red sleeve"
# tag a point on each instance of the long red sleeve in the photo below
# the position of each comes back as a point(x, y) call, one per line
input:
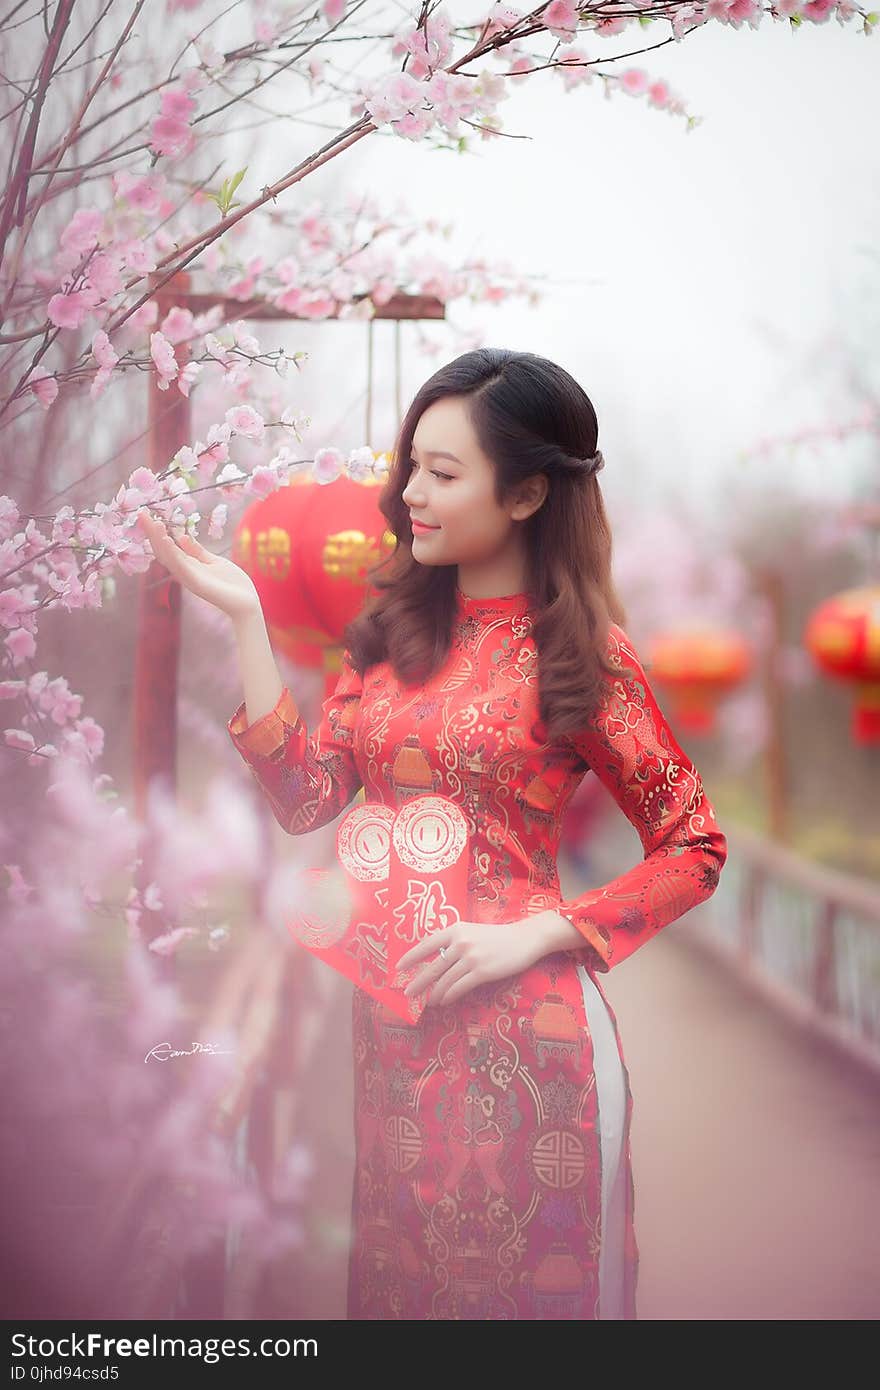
point(633, 751)
point(308, 780)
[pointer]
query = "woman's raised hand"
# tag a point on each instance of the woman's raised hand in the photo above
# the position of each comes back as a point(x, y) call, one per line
point(211, 577)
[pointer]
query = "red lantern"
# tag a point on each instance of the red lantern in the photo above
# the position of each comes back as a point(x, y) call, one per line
point(307, 547)
point(843, 638)
point(698, 666)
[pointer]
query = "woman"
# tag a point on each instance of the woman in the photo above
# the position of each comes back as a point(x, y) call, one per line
point(493, 1169)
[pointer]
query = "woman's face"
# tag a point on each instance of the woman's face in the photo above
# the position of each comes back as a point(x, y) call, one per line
point(455, 496)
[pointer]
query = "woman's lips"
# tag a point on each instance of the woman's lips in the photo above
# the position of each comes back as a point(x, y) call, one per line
point(418, 526)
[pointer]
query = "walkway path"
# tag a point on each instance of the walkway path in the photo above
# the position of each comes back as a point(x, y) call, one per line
point(756, 1154)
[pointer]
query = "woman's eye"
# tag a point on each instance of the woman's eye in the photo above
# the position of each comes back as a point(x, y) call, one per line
point(436, 472)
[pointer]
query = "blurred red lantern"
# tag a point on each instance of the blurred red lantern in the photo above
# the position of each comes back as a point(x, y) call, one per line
point(843, 638)
point(697, 666)
point(307, 547)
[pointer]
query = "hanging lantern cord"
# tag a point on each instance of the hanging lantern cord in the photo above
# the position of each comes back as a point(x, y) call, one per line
point(369, 421)
point(397, 401)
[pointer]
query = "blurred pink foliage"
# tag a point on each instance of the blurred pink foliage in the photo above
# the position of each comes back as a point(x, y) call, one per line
point(97, 1140)
point(102, 1142)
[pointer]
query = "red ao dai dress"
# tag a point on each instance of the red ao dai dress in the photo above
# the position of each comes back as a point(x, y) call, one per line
point(493, 1169)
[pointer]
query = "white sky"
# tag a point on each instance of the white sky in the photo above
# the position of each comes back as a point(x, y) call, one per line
point(703, 276)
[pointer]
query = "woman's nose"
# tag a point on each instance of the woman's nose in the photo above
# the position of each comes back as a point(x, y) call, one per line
point(409, 493)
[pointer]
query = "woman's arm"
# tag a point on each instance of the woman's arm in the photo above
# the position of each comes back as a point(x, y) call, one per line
point(259, 673)
point(308, 780)
point(633, 751)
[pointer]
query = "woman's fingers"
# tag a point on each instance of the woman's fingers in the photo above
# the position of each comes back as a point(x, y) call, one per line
point(168, 552)
point(190, 546)
point(194, 548)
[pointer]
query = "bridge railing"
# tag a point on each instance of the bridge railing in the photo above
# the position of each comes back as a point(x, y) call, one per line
point(805, 936)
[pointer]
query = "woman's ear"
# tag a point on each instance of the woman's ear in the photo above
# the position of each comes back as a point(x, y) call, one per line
point(529, 496)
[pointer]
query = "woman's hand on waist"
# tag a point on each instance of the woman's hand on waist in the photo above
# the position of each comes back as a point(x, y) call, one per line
point(475, 953)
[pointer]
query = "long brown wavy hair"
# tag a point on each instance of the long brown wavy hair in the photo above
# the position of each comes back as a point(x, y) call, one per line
point(530, 416)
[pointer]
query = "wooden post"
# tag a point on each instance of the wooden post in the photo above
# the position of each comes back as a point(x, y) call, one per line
point(778, 820)
point(154, 733)
point(824, 977)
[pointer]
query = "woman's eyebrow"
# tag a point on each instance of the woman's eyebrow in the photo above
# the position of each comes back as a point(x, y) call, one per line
point(438, 454)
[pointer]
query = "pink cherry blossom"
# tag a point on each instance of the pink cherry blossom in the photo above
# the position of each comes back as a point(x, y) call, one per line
point(609, 27)
point(20, 738)
point(288, 270)
point(502, 17)
point(429, 44)
point(9, 517)
point(162, 354)
point(59, 701)
point(74, 594)
point(136, 254)
point(561, 18)
point(12, 604)
point(659, 94)
point(244, 338)
point(230, 474)
point(210, 458)
point(188, 376)
point(85, 742)
point(290, 300)
point(20, 645)
point(735, 12)
point(209, 55)
point(69, 310)
point(819, 11)
point(265, 31)
point(141, 191)
point(177, 103)
point(36, 685)
point(243, 419)
point(143, 317)
point(106, 358)
point(392, 96)
point(217, 521)
point(317, 306)
point(415, 124)
point(243, 288)
point(634, 81)
point(100, 382)
point(688, 17)
point(43, 385)
point(34, 539)
point(178, 324)
point(82, 231)
point(519, 67)
point(316, 227)
point(360, 463)
point(186, 459)
point(102, 350)
point(146, 482)
point(169, 135)
point(262, 482)
point(329, 464)
point(104, 275)
point(63, 525)
point(333, 10)
point(217, 349)
point(19, 890)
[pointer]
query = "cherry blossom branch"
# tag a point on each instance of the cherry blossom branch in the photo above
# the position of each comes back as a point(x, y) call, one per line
point(24, 173)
